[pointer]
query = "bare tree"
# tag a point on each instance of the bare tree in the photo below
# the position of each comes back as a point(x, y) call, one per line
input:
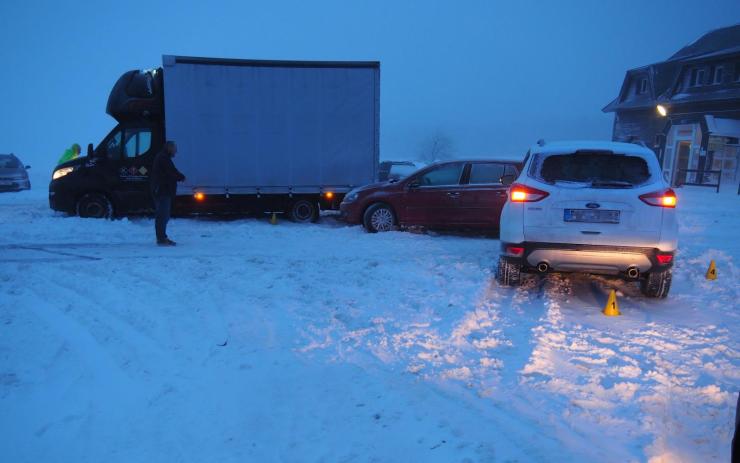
point(436, 147)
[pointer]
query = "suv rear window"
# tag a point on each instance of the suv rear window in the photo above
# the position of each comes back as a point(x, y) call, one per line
point(595, 168)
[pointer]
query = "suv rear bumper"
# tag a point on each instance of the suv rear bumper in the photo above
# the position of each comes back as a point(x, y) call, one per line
point(607, 260)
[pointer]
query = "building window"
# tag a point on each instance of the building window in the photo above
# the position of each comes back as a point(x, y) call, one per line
point(736, 77)
point(697, 77)
point(642, 86)
point(717, 74)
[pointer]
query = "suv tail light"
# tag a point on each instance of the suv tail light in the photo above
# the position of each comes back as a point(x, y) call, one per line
point(514, 250)
point(664, 258)
point(524, 194)
point(663, 198)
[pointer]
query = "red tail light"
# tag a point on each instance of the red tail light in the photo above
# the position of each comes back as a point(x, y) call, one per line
point(663, 198)
point(664, 258)
point(524, 194)
point(515, 250)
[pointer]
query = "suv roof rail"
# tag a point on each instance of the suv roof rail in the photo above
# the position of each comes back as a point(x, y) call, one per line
point(541, 142)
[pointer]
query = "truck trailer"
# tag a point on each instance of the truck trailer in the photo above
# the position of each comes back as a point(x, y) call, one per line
point(252, 136)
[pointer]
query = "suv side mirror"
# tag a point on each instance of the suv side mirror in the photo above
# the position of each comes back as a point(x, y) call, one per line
point(90, 151)
point(507, 180)
point(413, 184)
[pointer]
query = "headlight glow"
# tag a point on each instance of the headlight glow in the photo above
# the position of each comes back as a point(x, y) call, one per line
point(59, 173)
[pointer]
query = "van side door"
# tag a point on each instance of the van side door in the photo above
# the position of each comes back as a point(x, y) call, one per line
point(137, 156)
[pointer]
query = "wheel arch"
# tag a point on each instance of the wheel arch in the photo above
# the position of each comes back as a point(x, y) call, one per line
point(384, 203)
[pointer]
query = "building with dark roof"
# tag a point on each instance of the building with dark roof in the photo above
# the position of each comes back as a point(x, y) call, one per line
point(687, 109)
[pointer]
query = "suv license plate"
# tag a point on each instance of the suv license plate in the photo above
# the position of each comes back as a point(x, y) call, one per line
point(590, 216)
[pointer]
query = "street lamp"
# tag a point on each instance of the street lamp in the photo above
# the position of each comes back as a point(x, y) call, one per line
point(662, 110)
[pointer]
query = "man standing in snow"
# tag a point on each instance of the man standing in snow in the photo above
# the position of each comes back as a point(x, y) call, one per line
point(164, 185)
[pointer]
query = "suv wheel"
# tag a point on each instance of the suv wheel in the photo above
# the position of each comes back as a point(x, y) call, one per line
point(304, 211)
point(508, 273)
point(656, 284)
point(379, 218)
point(94, 205)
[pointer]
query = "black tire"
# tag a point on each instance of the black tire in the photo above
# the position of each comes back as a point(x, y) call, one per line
point(508, 273)
point(379, 218)
point(95, 205)
point(656, 284)
point(304, 211)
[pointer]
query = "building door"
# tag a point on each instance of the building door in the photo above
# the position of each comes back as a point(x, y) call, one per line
point(682, 162)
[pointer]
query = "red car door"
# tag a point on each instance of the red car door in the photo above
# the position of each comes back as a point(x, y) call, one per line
point(483, 195)
point(432, 196)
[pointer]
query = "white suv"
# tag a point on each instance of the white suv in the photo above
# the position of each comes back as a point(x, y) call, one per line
point(593, 207)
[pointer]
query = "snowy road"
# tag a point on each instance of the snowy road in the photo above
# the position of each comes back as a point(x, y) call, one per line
point(252, 342)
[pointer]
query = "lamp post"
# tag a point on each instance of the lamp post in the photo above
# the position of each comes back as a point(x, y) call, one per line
point(662, 111)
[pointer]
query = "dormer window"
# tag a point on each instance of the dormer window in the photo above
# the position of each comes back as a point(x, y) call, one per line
point(717, 74)
point(697, 77)
point(642, 86)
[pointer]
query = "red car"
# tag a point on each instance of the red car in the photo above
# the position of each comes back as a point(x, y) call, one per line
point(451, 194)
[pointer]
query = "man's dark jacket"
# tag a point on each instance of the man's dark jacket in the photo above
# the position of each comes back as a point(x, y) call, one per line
point(164, 175)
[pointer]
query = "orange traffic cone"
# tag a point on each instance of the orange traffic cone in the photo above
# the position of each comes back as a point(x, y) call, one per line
point(611, 309)
point(712, 271)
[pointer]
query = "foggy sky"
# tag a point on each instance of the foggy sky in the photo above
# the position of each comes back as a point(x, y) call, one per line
point(494, 77)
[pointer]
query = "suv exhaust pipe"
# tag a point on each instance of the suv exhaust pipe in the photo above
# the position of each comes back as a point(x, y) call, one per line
point(633, 272)
point(543, 267)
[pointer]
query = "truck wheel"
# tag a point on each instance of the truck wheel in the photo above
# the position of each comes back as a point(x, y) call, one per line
point(304, 211)
point(94, 205)
point(656, 284)
point(379, 218)
point(508, 273)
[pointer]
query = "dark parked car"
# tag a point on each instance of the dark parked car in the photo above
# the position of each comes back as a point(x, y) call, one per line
point(13, 175)
point(451, 194)
point(396, 170)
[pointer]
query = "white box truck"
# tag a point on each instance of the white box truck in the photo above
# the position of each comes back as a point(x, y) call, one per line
point(252, 136)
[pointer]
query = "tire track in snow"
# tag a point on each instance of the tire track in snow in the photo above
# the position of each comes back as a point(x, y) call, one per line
point(603, 373)
point(458, 344)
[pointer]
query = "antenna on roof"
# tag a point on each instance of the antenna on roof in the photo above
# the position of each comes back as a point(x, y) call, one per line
point(541, 142)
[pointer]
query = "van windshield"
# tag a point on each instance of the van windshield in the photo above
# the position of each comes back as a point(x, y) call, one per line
point(596, 169)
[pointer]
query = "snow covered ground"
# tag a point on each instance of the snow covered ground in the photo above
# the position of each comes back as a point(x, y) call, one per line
point(253, 342)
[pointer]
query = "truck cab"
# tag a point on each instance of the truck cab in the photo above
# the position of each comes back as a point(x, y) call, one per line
point(113, 179)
